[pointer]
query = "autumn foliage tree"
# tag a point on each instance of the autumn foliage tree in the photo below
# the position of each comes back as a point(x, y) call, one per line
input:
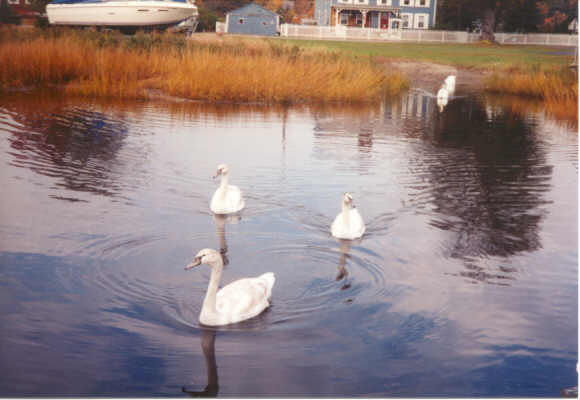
point(507, 15)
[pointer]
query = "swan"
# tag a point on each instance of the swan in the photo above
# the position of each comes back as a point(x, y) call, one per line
point(348, 224)
point(443, 93)
point(235, 302)
point(227, 198)
point(442, 97)
point(450, 83)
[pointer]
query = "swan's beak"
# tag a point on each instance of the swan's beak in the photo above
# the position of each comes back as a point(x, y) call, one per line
point(218, 173)
point(195, 263)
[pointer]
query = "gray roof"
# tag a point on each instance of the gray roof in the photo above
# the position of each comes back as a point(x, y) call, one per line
point(252, 9)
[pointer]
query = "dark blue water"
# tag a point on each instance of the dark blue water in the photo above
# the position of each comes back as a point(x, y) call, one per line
point(465, 283)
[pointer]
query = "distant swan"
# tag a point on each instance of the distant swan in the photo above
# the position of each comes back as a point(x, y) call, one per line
point(235, 302)
point(227, 198)
point(348, 224)
point(450, 84)
point(442, 97)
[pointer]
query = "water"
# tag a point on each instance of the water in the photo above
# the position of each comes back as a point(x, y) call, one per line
point(465, 283)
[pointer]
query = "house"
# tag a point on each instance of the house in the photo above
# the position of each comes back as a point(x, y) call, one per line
point(383, 14)
point(252, 19)
point(17, 11)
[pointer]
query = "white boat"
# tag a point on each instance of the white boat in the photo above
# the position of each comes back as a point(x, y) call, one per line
point(132, 14)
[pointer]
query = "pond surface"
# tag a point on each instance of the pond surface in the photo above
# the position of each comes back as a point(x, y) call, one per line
point(464, 284)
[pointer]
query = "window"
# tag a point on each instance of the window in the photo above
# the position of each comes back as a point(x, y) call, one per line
point(421, 21)
point(407, 3)
point(358, 19)
point(13, 1)
point(422, 3)
point(385, 2)
point(343, 18)
point(407, 20)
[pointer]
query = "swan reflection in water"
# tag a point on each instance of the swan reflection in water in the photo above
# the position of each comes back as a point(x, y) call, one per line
point(220, 222)
point(344, 255)
point(208, 348)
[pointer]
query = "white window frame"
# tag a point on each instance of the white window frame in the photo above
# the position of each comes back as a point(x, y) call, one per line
point(344, 1)
point(14, 2)
point(416, 20)
point(427, 4)
point(386, 3)
point(363, 2)
point(411, 3)
point(344, 15)
point(410, 20)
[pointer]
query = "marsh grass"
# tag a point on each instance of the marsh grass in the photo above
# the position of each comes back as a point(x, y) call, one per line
point(91, 63)
point(556, 86)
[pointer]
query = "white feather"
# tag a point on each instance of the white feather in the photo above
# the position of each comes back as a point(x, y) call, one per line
point(348, 224)
point(227, 198)
point(235, 302)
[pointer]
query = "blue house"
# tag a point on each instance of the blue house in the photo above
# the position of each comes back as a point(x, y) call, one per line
point(381, 14)
point(252, 19)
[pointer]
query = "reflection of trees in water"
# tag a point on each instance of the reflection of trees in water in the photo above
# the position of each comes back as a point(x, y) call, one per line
point(488, 184)
point(75, 144)
point(484, 174)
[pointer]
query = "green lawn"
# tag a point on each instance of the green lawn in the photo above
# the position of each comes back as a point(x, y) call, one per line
point(464, 55)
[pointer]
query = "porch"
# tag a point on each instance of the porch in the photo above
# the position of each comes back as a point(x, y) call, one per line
point(365, 16)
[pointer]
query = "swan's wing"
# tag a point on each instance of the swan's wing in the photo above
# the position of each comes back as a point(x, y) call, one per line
point(227, 202)
point(235, 198)
point(357, 224)
point(354, 230)
point(245, 298)
point(335, 228)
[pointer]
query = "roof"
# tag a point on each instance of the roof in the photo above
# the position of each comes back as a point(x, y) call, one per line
point(253, 8)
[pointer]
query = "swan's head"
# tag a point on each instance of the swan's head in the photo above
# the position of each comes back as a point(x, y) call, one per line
point(347, 200)
point(222, 169)
point(205, 256)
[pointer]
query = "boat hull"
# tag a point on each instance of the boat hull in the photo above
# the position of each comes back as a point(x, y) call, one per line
point(121, 13)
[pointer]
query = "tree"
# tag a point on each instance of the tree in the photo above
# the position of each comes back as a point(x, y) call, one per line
point(6, 14)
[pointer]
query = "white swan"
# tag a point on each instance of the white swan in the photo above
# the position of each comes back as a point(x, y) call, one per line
point(442, 97)
point(235, 302)
point(450, 84)
point(227, 198)
point(348, 224)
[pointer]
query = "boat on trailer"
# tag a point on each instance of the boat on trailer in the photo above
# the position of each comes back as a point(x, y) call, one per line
point(125, 15)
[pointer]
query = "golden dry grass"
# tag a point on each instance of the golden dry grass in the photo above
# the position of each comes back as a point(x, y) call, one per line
point(557, 87)
point(233, 70)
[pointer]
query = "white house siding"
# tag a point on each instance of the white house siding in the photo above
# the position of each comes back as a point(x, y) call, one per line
point(415, 10)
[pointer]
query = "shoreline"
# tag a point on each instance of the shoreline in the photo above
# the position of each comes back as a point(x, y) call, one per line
point(429, 76)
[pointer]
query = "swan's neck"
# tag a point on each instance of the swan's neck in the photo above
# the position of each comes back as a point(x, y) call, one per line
point(224, 182)
point(345, 214)
point(209, 303)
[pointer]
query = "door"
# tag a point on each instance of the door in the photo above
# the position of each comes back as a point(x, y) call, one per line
point(384, 20)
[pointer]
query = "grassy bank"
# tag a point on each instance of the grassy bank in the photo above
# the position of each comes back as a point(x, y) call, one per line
point(110, 65)
point(532, 72)
point(556, 87)
point(473, 55)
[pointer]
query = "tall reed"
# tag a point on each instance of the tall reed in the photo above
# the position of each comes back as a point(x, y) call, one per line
point(109, 65)
point(557, 87)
